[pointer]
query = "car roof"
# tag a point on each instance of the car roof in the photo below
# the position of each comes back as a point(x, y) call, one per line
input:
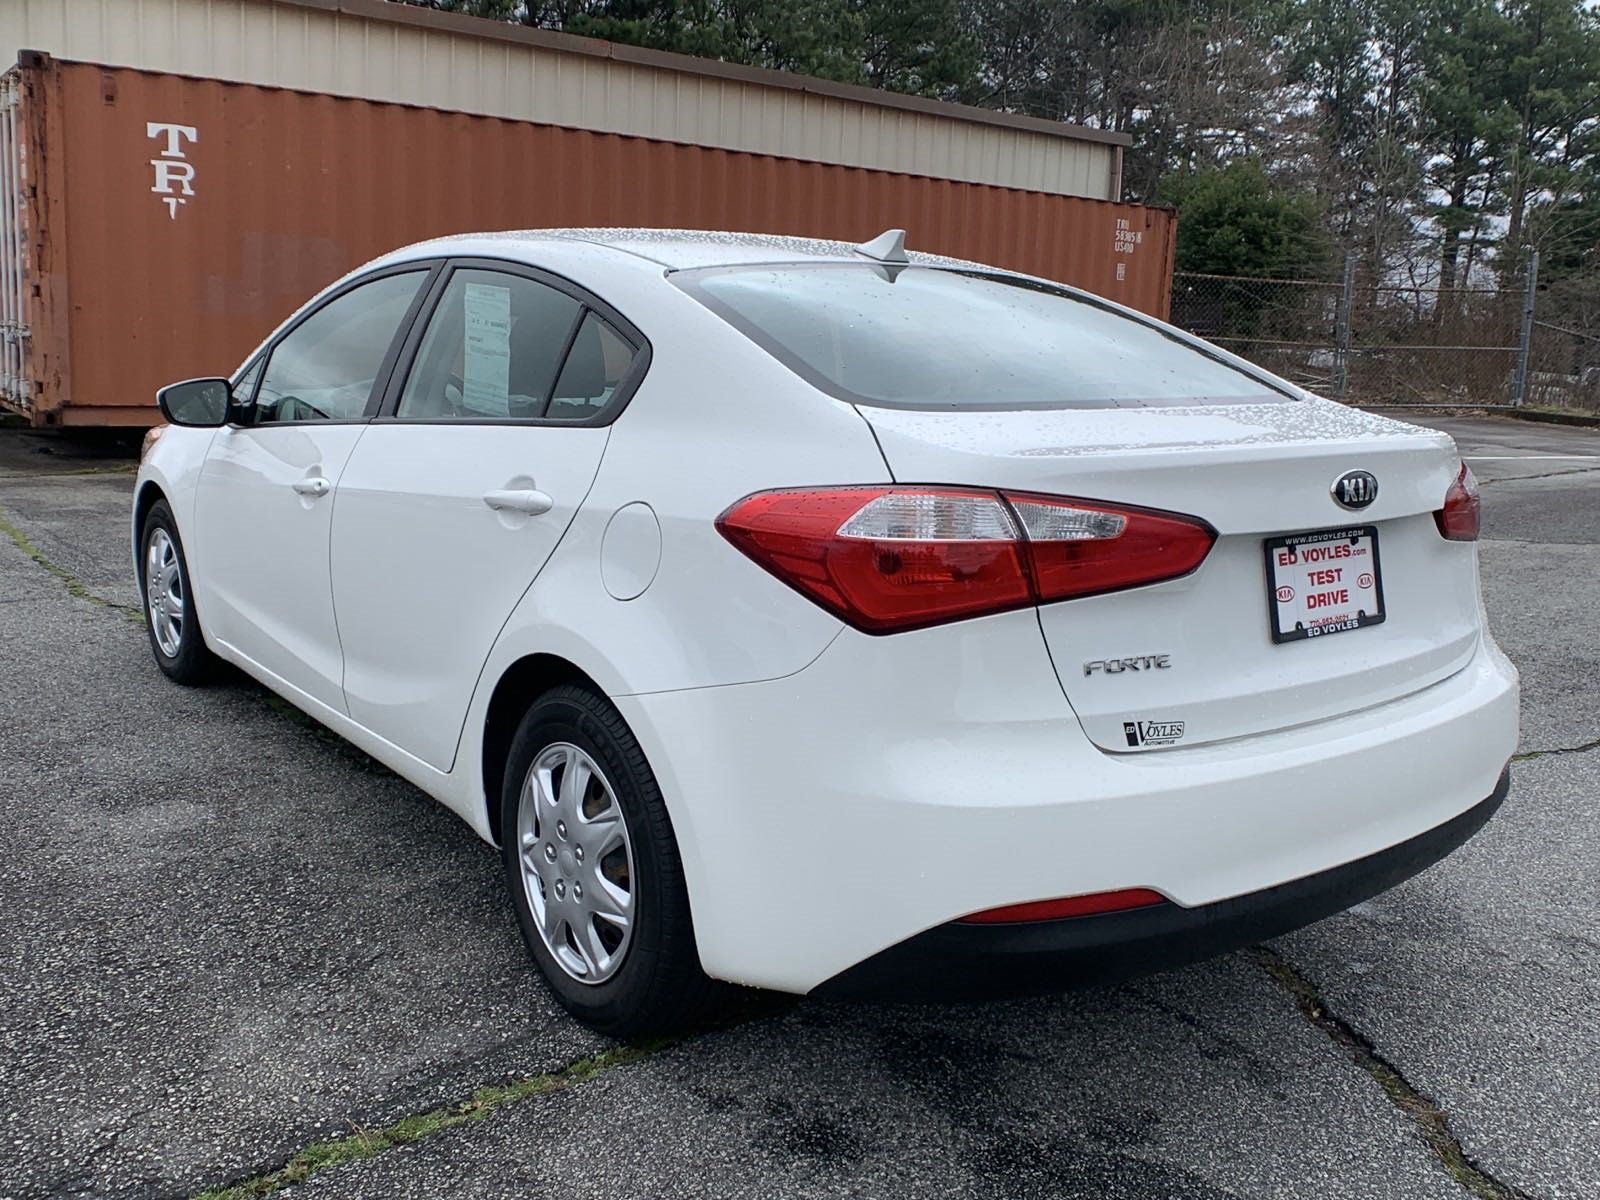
point(679, 249)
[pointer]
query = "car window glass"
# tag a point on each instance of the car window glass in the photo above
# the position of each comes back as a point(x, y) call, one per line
point(925, 338)
point(491, 349)
point(245, 384)
point(595, 366)
point(324, 368)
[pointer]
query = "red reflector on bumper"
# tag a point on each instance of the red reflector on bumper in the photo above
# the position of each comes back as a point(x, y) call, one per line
point(1069, 906)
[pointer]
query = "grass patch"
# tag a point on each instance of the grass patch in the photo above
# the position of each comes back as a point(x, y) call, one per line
point(75, 586)
point(1582, 748)
point(70, 472)
point(366, 1143)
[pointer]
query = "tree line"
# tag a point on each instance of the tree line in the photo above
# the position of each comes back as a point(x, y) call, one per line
point(1434, 140)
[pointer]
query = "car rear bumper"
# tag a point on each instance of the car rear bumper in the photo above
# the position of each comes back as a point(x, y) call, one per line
point(957, 962)
point(897, 784)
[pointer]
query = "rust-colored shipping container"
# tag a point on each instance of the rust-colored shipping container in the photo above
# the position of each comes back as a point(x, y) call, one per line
point(156, 226)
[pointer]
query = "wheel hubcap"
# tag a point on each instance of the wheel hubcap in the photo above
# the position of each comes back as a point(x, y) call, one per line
point(577, 862)
point(163, 591)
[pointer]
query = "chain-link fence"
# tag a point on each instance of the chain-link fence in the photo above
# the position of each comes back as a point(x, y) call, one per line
point(1564, 361)
point(1398, 344)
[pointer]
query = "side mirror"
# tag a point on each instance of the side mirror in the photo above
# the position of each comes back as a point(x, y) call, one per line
point(195, 401)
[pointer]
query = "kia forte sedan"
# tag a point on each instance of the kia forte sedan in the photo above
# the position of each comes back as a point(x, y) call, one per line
point(833, 619)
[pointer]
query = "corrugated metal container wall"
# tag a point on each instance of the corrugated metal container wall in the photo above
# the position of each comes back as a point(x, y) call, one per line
point(404, 54)
point(175, 221)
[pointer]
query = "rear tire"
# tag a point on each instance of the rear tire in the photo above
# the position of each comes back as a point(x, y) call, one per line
point(625, 982)
point(169, 613)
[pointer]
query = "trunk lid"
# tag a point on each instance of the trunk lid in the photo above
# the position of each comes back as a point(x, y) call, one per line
point(1195, 659)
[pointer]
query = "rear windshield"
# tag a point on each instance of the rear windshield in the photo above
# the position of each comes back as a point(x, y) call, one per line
point(932, 338)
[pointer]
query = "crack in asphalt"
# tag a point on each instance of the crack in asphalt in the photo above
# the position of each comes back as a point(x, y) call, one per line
point(1581, 748)
point(74, 473)
point(71, 582)
point(407, 1130)
point(1546, 475)
point(81, 1178)
point(1431, 1121)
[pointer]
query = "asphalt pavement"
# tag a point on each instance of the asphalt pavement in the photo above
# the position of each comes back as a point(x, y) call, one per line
point(238, 954)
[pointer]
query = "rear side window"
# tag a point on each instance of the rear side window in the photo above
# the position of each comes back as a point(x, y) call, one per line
point(926, 338)
point(595, 367)
point(492, 349)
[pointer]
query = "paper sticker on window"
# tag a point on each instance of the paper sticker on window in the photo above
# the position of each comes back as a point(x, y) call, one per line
point(486, 361)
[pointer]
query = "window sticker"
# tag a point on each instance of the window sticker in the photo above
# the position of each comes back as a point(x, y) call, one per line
point(486, 362)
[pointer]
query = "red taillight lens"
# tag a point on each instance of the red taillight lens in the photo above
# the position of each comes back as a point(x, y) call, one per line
point(1081, 548)
point(1070, 906)
point(887, 559)
point(1458, 520)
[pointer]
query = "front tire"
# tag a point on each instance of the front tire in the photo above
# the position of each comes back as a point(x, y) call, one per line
point(594, 873)
point(170, 619)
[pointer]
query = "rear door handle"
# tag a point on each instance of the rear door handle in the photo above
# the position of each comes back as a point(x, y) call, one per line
point(315, 485)
point(524, 501)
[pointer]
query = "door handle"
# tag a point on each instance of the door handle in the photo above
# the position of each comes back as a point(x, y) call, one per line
point(315, 485)
point(523, 501)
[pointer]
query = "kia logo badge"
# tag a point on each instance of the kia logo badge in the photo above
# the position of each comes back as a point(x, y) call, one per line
point(1356, 489)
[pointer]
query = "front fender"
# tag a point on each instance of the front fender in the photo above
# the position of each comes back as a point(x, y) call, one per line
point(172, 467)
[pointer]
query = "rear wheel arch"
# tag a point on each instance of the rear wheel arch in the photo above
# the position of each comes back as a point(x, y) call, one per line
point(523, 682)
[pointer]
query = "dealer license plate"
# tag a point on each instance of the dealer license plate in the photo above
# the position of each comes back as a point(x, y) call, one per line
point(1322, 583)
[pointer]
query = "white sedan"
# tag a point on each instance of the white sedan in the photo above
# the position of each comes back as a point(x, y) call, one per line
point(836, 620)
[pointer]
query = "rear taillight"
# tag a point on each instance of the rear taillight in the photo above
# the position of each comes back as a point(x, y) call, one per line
point(1458, 520)
point(1081, 547)
point(1069, 906)
point(887, 559)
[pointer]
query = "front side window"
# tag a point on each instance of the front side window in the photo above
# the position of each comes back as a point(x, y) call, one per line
point(926, 338)
point(325, 367)
point(492, 349)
